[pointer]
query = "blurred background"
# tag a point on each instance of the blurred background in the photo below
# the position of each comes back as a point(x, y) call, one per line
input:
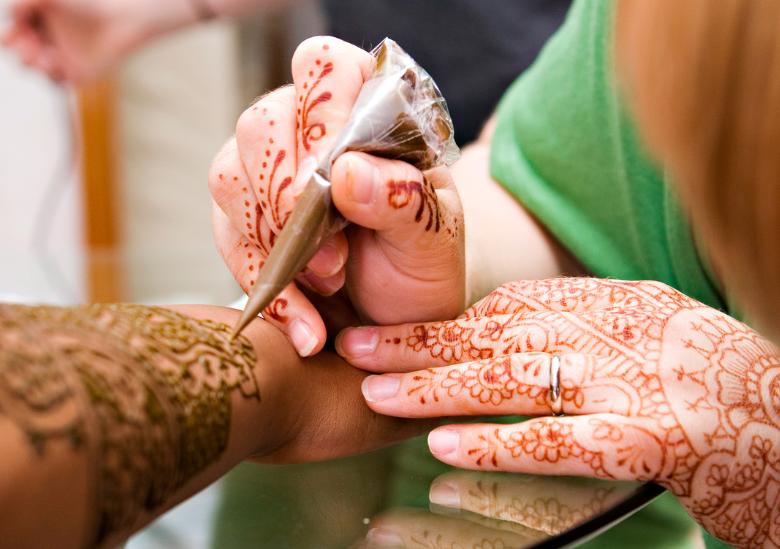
point(103, 194)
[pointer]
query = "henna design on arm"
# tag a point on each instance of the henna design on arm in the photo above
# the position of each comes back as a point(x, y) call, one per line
point(144, 391)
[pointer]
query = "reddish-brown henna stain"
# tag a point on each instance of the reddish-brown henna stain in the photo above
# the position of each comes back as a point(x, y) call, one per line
point(276, 215)
point(700, 393)
point(274, 310)
point(313, 132)
point(402, 194)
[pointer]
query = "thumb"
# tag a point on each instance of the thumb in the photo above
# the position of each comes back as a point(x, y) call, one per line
point(412, 231)
point(409, 210)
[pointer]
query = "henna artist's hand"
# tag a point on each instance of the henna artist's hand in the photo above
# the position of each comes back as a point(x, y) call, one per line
point(77, 39)
point(657, 387)
point(405, 248)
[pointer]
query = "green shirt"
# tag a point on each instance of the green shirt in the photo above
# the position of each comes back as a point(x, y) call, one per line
point(566, 148)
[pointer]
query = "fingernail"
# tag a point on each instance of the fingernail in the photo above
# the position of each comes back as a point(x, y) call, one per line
point(326, 286)
point(306, 167)
point(328, 261)
point(443, 441)
point(444, 494)
point(376, 388)
point(363, 181)
point(302, 337)
point(358, 342)
point(383, 538)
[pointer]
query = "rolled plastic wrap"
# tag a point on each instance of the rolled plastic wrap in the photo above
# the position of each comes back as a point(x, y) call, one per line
point(399, 114)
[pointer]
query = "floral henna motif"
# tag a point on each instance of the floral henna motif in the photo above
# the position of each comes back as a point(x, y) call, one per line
point(313, 132)
point(402, 194)
point(448, 341)
point(485, 381)
point(701, 391)
point(143, 390)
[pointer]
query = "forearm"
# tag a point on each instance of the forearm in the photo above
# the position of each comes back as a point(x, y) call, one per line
point(109, 416)
point(503, 241)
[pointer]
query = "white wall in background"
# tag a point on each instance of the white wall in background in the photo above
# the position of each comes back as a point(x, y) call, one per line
point(178, 104)
point(41, 251)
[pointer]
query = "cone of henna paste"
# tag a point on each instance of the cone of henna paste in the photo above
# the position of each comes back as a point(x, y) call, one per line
point(399, 114)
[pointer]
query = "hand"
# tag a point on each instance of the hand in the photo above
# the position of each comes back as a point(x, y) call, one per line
point(659, 388)
point(401, 260)
point(74, 40)
point(480, 510)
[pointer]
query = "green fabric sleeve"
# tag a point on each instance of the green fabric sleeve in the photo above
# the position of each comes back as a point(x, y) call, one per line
point(565, 147)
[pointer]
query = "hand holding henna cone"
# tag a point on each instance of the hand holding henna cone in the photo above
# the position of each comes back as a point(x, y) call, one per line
point(399, 114)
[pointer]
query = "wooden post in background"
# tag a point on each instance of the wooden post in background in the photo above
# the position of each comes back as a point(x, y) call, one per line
point(97, 116)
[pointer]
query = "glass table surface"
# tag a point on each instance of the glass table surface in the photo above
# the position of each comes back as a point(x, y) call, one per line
point(397, 497)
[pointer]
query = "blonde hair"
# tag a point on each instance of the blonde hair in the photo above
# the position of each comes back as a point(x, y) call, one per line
point(703, 78)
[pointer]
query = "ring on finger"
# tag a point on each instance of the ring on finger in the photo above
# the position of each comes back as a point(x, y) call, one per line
point(556, 395)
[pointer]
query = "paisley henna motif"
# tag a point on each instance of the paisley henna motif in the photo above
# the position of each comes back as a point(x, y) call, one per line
point(402, 194)
point(313, 132)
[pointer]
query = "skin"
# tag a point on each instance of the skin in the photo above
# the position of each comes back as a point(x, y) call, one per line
point(112, 414)
point(77, 40)
point(655, 386)
point(404, 257)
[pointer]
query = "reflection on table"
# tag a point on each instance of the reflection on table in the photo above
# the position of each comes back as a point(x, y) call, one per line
point(403, 497)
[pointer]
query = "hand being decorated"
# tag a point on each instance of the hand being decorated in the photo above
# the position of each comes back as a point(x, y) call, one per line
point(655, 386)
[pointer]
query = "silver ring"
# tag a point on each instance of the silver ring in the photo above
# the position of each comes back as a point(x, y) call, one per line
point(556, 398)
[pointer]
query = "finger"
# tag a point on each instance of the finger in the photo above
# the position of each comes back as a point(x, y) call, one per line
point(233, 193)
point(410, 235)
point(574, 295)
point(604, 446)
point(413, 528)
point(411, 347)
point(541, 503)
point(265, 139)
point(291, 312)
point(511, 384)
point(328, 75)
point(392, 197)
point(325, 273)
point(27, 46)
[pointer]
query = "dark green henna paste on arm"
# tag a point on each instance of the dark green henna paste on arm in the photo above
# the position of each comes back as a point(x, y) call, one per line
point(145, 392)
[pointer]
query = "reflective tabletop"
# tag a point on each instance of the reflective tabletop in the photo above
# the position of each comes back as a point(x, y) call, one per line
point(397, 497)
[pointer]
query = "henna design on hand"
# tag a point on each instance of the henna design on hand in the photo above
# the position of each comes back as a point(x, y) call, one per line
point(313, 132)
point(699, 393)
point(145, 391)
point(402, 194)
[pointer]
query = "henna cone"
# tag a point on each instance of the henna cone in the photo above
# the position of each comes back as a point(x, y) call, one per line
point(399, 114)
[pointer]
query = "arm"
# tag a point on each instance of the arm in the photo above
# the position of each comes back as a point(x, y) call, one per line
point(109, 415)
point(503, 241)
point(76, 40)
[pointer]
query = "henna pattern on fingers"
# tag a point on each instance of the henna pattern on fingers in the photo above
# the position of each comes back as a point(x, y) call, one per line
point(701, 392)
point(144, 391)
point(274, 310)
point(313, 132)
point(278, 219)
point(402, 194)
